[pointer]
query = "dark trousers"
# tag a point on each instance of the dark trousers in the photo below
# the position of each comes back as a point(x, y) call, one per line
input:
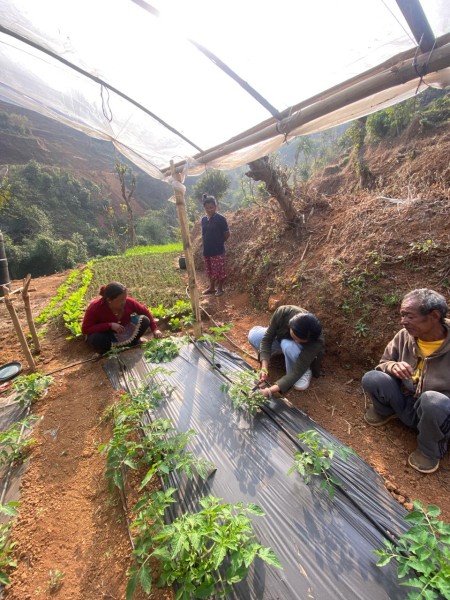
point(102, 341)
point(429, 414)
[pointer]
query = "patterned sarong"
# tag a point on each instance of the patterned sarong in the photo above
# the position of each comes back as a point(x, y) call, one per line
point(215, 267)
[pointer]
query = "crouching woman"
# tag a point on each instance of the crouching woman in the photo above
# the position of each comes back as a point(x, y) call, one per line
point(116, 319)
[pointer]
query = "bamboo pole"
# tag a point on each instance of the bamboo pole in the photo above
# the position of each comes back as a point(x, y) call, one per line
point(13, 292)
point(31, 325)
point(18, 328)
point(188, 253)
point(348, 93)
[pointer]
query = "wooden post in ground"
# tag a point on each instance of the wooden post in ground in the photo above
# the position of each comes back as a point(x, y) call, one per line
point(26, 301)
point(178, 189)
point(18, 328)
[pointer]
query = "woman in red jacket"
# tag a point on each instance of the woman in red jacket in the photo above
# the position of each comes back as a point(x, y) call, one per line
point(115, 319)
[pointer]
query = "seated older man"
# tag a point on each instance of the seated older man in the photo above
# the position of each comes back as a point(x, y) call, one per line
point(412, 380)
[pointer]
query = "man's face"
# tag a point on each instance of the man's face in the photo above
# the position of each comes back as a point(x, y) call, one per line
point(210, 209)
point(414, 322)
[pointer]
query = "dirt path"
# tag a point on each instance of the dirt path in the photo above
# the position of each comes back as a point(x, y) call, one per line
point(70, 523)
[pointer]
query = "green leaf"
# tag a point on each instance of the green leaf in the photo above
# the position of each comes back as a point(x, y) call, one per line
point(237, 574)
point(205, 590)
point(384, 561)
point(9, 509)
point(403, 568)
point(433, 510)
point(269, 556)
point(145, 579)
point(147, 478)
point(4, 578)
point(255, 510)
point(131, 586)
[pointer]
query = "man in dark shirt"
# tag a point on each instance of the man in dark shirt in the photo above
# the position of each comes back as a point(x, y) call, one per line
point(215, 233)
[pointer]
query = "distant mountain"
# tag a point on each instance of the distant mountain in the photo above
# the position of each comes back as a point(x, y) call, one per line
point(51, 143)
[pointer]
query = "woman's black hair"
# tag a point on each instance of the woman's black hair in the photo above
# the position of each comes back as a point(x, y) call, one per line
point(112, 290)
point(208, 200)
point(306, 326)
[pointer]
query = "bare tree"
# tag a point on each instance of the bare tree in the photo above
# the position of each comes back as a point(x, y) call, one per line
point(275, 180)
point(362, 169)
point(122, 171)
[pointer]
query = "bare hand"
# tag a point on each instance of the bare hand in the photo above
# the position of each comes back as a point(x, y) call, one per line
point(157, 333)
point(263, 375)
point(402, 370)
point(266, 392)
point(117, 327)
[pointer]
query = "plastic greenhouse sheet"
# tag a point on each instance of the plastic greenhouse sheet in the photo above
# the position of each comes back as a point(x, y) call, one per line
point(325, 545)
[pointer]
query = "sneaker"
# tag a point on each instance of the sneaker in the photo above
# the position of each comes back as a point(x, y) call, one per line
point(375, 420)
point(424, 464)
point(304, 381)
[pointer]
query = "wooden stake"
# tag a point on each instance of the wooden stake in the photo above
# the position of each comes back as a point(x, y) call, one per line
point(26, 301)
point(306, 248)
point(18, 328)
point(188, 253)
point(330, 233)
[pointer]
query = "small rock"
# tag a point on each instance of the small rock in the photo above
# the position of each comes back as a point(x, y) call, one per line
point(408, 505)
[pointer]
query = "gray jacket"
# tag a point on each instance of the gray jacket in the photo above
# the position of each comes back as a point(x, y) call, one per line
point(435, 374)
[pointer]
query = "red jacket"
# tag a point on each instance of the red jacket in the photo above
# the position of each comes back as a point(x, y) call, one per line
point(98, 316)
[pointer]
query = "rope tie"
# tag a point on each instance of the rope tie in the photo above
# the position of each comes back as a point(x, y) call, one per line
point(106, 109)
point(279, 126)
point(422, 71)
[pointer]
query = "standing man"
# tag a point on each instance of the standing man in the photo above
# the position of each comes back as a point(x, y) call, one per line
point(412, 380)
point(297, 334)
point(215, 233)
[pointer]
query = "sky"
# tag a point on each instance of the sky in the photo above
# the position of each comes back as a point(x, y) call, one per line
point(288, 50)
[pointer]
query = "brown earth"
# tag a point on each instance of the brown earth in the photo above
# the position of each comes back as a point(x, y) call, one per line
point(350, 261)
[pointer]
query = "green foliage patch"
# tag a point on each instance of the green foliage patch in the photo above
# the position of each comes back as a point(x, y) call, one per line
point(163, 349)
point(28, 388)
point(214, 335)
point(242, 392)
point(6, 546)
point(151, 278)
point(14, 445)
point(318, 460)
point(202, 553)
point(422, 554)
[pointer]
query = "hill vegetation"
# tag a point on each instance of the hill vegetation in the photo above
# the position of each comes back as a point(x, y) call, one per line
point(61, 201)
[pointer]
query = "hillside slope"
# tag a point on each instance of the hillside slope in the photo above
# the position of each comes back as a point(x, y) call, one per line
point(357, 252)
point(51, 143)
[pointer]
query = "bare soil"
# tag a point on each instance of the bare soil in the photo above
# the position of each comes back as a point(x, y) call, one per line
point(350, 262)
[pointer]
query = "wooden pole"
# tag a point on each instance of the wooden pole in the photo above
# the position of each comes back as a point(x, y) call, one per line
point(347, 93)
point(306, 248)
point(26, 301)
point(188, 253)
point(18, 328)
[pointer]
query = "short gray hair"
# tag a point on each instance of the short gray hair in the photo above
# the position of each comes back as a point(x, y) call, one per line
point(428, 301)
